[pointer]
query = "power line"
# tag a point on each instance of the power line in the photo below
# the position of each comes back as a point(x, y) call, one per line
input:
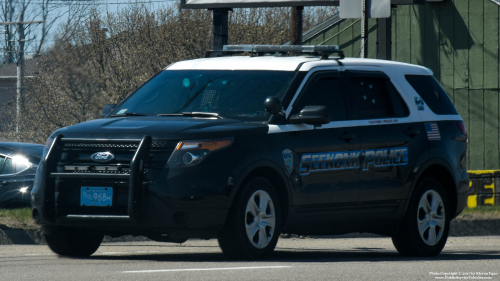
point(96, 4)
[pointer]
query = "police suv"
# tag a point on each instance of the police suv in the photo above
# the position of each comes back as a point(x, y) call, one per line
point(281, 139)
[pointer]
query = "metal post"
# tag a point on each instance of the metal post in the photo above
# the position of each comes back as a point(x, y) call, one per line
point(296, 25)
point(20, 61)
point(20, 69)
point(384, 38)
point(220, 31)
point(364, 29)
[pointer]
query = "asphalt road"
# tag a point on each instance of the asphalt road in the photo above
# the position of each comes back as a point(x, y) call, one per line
point(469, 258)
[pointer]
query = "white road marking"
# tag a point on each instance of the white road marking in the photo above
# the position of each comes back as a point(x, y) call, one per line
point(131, 252)
point(207, 269)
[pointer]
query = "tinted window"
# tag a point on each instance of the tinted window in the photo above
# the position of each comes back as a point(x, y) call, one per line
point(431, 92)
point(235, 94)
point(325, 91)
point(7, 167)
point(2, 159)
point(374, 97)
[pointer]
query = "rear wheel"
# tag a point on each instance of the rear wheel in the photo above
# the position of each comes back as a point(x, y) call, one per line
point(254, 223)
point(73, 242)
point(425, 228)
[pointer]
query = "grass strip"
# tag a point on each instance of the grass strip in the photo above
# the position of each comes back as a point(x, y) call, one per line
point(22, 214)
point(483, 210)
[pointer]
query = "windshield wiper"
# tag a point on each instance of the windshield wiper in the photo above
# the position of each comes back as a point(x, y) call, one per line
point(193, 114)
point(190, 99)
point(128, 114)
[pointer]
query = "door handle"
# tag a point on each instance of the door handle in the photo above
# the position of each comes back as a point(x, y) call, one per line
point(3, 183)
point(412, 132)
point(347, 136)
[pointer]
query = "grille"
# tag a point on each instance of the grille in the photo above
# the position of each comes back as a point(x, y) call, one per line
point(76, 156)
point(154, 144)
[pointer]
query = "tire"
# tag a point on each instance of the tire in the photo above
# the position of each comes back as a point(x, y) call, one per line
point(258, 208)
point(73, 242)
point(425, 228)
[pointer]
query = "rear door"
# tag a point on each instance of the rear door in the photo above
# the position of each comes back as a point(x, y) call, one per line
point(392, 140)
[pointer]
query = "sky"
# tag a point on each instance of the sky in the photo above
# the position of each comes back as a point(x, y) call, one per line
point(103, 5)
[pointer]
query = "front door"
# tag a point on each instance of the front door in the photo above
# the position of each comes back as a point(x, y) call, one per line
point(329, 156)
point(7, 180)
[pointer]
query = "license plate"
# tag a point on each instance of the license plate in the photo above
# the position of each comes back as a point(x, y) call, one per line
point(96, 196)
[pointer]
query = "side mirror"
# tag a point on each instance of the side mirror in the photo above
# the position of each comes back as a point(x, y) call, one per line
point(312, 114)
point(106, 110)
point(273, 105)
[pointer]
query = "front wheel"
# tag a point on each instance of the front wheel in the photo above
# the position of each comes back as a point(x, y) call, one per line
point(73, 242)
point(254, 223)
point(426, 225)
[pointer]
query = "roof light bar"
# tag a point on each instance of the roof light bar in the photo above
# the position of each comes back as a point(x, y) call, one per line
point(281, 48)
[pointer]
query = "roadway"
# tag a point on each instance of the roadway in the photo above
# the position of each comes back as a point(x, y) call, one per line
point(464, 258)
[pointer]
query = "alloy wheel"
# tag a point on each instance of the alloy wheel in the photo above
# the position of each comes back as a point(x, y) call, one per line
point(431, 217)
point(260, 219)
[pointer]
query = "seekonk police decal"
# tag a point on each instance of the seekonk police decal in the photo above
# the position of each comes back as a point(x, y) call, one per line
point(328, 161)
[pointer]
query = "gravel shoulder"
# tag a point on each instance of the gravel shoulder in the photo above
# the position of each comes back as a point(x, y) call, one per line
point(10, 223)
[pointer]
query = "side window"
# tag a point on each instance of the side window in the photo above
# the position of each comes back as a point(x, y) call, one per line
point(324, 90)
point(2, 159)
point(431, 92)
point(7, 167)
point(374, 97)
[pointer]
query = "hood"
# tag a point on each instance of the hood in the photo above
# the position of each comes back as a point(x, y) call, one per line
point(162, 127)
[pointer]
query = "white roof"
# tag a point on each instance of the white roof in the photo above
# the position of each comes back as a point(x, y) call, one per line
point(288, 64)
point(242, 63)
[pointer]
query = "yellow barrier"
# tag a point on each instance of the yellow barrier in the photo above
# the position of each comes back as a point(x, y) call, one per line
point(482, 187)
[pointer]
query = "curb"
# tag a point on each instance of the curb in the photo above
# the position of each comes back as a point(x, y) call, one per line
point(475, 227)
point(9, 236)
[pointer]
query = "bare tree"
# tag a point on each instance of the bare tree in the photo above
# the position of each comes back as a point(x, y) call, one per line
point(36, 37)
point(102, 58)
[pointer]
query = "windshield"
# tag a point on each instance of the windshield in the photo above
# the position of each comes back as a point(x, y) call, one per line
point(234, 94)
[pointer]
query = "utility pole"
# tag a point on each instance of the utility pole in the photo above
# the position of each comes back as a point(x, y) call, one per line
point(20, 62)
point(364, 28)
point(20, 69)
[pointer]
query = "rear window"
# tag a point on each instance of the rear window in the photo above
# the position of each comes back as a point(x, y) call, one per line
point(373, 96)
point(432, 94)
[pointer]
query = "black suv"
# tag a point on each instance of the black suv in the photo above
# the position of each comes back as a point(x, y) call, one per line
point(243, 148)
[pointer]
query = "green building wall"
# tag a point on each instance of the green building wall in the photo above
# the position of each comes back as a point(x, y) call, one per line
point(459, 41)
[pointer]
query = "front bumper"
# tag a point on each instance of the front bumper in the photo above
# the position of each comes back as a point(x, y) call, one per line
point(137, 210)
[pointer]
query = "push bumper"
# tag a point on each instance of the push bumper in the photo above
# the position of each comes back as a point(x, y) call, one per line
point(141, 212)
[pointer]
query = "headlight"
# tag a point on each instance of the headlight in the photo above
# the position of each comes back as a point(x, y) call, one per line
point(190, 153)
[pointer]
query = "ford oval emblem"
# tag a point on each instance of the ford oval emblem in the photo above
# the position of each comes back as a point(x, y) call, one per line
point(102, 157)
